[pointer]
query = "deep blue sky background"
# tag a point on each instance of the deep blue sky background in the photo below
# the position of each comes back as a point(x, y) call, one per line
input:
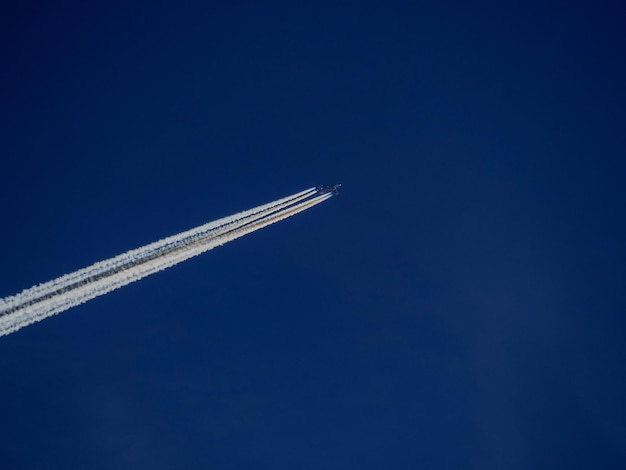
point(460, 305)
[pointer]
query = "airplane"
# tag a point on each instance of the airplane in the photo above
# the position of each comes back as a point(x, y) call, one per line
point(328, 189)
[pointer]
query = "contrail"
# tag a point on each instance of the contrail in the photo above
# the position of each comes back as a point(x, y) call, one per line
point(155, 248)
point(50, 298)
point(139, 253)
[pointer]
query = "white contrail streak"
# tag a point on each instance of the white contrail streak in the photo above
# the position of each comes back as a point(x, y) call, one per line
point(50, 298)
point(175, 240)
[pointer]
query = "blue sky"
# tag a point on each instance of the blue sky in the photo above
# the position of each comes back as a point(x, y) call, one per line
point(459, 305)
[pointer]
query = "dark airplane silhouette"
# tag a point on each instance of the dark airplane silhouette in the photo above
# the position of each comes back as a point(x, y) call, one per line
point(328, 189)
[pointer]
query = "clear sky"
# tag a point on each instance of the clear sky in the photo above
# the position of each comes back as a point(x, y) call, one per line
point(459, 305)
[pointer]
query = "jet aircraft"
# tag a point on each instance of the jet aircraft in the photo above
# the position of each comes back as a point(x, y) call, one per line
point(328, 189)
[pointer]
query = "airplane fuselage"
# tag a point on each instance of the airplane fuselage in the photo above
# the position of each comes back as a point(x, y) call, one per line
point(329, 189)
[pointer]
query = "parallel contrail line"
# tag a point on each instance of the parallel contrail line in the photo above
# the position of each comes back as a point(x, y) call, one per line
point(53, 297)
point(116, 262)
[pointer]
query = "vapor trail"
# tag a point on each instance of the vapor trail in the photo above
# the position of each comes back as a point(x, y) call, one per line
point(117, 262)
point(50, 298)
